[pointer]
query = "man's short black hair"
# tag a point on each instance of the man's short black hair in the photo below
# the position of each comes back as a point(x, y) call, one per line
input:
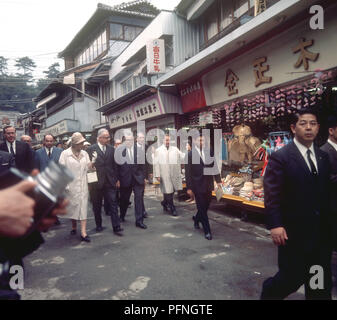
point(5, 128)
point(332, 122)
point(296, 116)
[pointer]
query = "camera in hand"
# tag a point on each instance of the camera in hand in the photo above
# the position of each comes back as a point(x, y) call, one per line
point(49, 191)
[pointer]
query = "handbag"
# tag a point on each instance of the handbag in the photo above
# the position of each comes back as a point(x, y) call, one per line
point(92, 177)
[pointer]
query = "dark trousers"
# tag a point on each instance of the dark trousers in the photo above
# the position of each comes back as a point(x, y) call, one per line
point(294, 271)
point(125, 193)
point(203, 201)
point(110, 201)
point(143, 206)
point(168, 200)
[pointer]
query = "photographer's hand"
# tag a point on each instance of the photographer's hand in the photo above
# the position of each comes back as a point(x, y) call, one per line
point(16, 209)
point(50, 220)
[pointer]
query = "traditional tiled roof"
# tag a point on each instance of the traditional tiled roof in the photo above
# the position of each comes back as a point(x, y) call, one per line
point(139, 8)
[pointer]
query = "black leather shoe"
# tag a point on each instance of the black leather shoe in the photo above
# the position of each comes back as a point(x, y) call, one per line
point(99, 229)
point(73, 232)
point(118, 229)
point(196, 223)
point(208, 236)
point(86, 239)
point(141, 225)
point(174, 212)
point(145, 215)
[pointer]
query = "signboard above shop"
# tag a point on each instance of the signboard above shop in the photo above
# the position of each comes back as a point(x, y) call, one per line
point(142, 110)
point(155, 56)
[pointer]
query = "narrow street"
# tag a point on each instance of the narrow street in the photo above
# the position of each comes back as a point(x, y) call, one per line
point(170, 260)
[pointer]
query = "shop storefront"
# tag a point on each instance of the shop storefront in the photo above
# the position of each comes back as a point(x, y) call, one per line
point(251, 97)
point(61, 130)
point(157, 110)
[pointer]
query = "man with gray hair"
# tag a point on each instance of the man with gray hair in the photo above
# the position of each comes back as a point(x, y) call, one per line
point(27, 139)
point(103, 156)
point(131, 172)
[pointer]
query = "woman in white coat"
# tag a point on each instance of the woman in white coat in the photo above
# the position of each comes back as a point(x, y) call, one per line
point(78, 162)
point(167, 170)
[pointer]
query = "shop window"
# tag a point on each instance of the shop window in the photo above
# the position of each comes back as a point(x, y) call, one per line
point(226, 14)
point(126, 86)
point(212, 22)
point(241, 7)
point(99, 45)
point(116, 31)
point(104, 40)
point(129, 33)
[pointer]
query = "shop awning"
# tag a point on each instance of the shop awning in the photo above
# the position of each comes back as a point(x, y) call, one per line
point(46, 100)
point(131, 97)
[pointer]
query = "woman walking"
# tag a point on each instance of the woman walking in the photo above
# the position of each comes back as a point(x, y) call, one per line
point(78, 162)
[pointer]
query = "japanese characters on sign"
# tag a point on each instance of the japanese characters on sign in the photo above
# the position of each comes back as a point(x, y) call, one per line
point(259, 71)
point(122, 118)
point(155, 56)
point(147, 108)
point(231, 79)
point(305, 55)
point(192, 96)
point(235, 79)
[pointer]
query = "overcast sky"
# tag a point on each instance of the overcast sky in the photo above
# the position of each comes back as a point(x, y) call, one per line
point(42, 28)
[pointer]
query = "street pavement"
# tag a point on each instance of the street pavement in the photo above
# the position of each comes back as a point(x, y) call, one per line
point(170, 260)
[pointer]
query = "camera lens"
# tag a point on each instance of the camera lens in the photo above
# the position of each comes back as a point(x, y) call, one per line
point(54, 178)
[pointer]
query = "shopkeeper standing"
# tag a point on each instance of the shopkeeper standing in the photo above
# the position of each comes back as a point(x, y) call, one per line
point(297, 186)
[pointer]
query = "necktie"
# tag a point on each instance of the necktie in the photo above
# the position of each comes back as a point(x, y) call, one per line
point(104, 149)
point(49, 154)
point(312, 166)
point(202, 155)
point(12, 150)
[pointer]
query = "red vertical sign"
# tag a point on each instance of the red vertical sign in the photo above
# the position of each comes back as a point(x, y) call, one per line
point(192, 96)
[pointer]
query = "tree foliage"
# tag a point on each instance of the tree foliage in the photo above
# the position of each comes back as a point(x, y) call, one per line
point(19, 89)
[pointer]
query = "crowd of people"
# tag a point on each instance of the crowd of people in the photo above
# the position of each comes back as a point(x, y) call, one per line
point(115, 181)
point(300, 194)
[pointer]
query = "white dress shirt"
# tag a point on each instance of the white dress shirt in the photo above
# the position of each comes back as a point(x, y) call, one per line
point(51, 150)
point(303, 150)
point(9, 146)
point(201, 153)
point(103, 148)
point(333, 144)
point(130, 152)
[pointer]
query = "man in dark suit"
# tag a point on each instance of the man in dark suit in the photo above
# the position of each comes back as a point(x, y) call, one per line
point(6, 161)
point(330, 147)
point(22, 152)
point(103, 156)
point(47, 153)
point(141, 146)
point(297, 187)
point(131, 170)
point(201, 182)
